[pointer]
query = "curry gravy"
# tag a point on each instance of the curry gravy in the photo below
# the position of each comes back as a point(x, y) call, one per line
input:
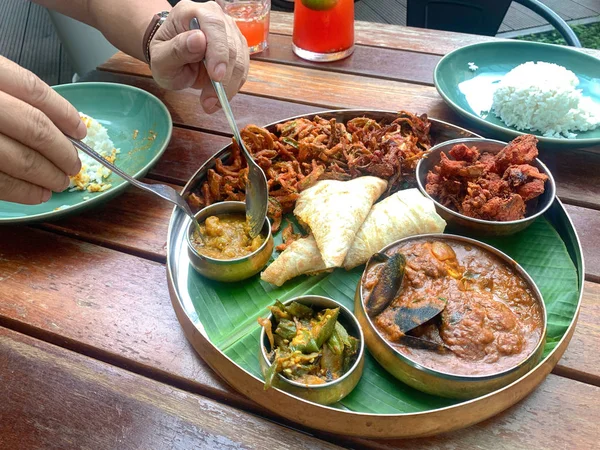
point(491, 322)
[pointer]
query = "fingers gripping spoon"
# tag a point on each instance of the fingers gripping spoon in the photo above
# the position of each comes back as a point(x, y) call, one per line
point(257, 194)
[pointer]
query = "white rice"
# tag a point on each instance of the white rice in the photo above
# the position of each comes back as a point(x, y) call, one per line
point(92, 176)
point(543, 97)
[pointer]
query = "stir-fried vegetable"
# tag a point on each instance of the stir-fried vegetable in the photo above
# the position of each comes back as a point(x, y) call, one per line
point(307, 346)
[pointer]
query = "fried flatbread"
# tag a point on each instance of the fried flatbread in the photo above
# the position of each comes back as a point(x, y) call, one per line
point(406, 213)
point(335, 210)
point(300, 257)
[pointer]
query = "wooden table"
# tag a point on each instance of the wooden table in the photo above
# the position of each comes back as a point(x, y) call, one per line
point(91, 354)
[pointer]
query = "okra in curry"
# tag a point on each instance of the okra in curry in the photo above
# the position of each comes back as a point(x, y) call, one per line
point(307, 346)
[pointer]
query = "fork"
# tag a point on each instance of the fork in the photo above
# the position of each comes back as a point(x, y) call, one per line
point(163, 191)
point(257, 193)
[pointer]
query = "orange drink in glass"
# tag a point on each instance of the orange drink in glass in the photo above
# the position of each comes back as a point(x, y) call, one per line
point(252, 18)
point(323, 29)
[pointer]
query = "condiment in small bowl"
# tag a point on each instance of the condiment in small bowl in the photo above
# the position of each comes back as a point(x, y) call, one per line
point(330, 391)
point(481, 227)
point(233, 269)
point(450, 316)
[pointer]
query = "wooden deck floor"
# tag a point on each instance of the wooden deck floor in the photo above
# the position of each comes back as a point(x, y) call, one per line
point(27, 35)
point(517, 18)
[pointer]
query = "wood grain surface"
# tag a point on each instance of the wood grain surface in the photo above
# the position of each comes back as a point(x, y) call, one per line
point(57, 399)
point(117, 307)
point(186, 111)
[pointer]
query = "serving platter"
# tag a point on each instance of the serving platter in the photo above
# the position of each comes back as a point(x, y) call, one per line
point(219, 320)
point(470, 93)
point(139, 125)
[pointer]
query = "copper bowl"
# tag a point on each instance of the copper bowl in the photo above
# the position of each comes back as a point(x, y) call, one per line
point(480, 227)
point(332, 391)
point(229, 270)
point(444, 384)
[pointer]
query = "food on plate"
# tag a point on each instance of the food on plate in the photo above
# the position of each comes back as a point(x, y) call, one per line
point(487, 186)
point(400, 215)
point(472, 66)
point(304, 151)
point(328, 214)
point(307, 346)
point(226, 236)
point(92, 176)
point(452, 306)
point(544, 97)
point(335, 210)
point(301, 257)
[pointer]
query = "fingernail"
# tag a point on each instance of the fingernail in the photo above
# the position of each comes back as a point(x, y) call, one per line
point(210, 103)
point(220, 71)
point(194, 43)
point(46, 194)
point(81, 130)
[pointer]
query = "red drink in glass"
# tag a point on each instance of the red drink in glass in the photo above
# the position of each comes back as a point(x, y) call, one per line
point(323, 29)
point(252, 18)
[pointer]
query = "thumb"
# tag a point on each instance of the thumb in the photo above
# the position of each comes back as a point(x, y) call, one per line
point(174, 63)
point(185, 48)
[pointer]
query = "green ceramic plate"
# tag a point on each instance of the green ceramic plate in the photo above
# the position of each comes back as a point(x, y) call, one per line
point(122, 110)
point(470, 93)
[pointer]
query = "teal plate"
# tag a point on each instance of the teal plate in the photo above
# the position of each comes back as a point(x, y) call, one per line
point(122, 110)
point(470, 93)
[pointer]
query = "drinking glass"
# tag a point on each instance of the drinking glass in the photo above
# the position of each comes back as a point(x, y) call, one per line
point(323, 29)
point(252, 18)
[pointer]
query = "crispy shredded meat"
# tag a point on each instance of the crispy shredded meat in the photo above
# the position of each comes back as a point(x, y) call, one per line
point(488, 186)
point(303, 151)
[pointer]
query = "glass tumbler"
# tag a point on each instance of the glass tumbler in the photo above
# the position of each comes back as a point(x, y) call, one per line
point(323, 29)
point(252, 18)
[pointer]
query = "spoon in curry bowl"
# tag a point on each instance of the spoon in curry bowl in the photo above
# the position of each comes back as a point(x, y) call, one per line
point(257, 193)
point(161, 190)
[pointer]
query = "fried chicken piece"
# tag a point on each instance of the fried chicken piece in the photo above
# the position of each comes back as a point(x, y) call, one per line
point(531, 190)
point(522, 150)
point(462, 152)
point(488, 160)
point(528, 180)
point(449, 168)
point(504, 209)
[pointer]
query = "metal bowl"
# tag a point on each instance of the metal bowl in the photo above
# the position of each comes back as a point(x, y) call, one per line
point(433, 381)
point(229, 269)
point(479, 227)
point(333, 391)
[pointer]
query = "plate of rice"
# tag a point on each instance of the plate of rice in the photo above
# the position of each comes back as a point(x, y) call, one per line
point(126, 125)
point(516, 87)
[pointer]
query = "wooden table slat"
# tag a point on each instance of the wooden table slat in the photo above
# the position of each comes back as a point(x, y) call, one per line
point(54, 398)
point(421, 40)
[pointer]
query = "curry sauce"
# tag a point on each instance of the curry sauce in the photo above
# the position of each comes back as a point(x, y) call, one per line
point(226, 236)
point(489, 319)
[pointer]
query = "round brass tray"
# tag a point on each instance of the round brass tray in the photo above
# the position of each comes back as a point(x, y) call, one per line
point(342, 421)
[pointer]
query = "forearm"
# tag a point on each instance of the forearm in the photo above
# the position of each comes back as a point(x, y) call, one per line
point(123, 22)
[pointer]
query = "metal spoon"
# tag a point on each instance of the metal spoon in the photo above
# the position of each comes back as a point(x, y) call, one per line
point(163, 191)
point(257, 193)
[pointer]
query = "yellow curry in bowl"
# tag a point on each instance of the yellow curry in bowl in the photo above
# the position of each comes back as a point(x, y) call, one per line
point(226, 236)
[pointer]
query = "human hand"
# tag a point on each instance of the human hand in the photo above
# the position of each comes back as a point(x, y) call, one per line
point(35, 156)
point(176, 53)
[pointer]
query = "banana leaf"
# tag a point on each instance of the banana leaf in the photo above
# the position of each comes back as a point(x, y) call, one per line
point(229, 311)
